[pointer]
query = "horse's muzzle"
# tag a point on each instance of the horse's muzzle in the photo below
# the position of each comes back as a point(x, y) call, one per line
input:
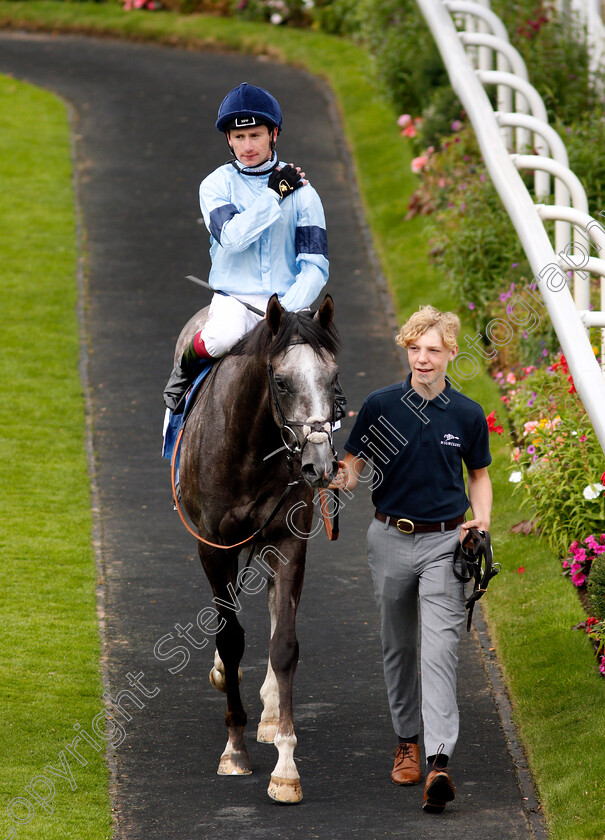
point(316, 470)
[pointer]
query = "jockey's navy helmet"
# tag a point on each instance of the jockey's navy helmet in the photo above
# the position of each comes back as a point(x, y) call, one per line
point(248, 105)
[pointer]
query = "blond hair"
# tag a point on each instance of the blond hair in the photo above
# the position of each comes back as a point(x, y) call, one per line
point(427, 317)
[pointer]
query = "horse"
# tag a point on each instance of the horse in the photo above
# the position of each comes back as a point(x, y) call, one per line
point(256, 445)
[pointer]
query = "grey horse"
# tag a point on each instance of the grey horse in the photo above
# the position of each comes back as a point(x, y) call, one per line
point(256, 444)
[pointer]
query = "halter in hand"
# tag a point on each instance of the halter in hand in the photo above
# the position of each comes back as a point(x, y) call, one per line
point(469, 555)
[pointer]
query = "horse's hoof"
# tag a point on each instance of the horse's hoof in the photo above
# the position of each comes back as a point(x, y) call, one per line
point(234, 764)
point(217, 679)
point(286, 791)
point(267, 729)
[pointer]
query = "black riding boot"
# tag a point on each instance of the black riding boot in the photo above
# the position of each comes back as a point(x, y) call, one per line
point(184, 374)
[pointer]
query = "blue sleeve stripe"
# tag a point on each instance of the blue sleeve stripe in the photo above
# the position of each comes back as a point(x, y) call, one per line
point(218, 217)
point(311, 240)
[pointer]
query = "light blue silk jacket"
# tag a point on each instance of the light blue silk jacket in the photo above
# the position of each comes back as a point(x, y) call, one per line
point(260, 244)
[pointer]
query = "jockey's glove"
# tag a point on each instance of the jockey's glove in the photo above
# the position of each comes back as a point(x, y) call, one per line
point(285, 181)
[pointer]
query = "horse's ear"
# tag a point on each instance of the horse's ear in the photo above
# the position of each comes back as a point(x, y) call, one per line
point(325, 313)
point(275, 312)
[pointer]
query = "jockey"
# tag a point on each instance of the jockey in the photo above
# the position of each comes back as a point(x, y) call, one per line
point(267, 233)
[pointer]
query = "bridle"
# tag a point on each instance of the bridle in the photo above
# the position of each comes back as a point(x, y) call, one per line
point(316, 431)
point(469, 554)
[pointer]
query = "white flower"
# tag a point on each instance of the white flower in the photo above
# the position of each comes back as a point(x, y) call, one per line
point(276, 19)
point(592, 491)
point(515, 477)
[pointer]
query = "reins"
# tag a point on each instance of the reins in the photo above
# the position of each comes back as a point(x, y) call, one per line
point(331, 525)
point(268, 521)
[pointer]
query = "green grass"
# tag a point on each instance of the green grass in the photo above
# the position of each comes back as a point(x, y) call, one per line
point(49, 670)
point(557, 695)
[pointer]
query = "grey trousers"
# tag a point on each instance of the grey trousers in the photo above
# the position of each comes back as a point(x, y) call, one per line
point(414, 584)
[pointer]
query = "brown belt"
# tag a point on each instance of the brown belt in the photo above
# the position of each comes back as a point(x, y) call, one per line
point(406, 526)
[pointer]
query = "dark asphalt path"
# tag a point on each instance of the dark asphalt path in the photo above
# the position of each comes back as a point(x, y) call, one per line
point(144, 127)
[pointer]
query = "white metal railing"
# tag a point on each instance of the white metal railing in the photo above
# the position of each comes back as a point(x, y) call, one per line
point(591, 14)
point(460, 52)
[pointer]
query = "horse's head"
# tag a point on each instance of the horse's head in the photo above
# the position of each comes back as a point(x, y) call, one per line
point(302, 375)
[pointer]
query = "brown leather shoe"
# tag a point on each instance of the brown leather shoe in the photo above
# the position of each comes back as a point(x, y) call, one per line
point(406, 770)
point(438, 790)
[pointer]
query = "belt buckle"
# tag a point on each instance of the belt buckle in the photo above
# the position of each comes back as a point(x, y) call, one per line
point(401, 522)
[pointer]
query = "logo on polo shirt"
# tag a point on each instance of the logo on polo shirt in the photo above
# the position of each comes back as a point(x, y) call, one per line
point(450, 440)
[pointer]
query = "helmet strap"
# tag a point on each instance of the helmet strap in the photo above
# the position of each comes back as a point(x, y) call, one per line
point(257, 171)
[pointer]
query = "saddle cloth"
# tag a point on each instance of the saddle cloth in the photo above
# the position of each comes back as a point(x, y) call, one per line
point(174, 422)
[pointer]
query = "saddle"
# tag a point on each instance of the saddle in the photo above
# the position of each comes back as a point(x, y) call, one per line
point(474, 560)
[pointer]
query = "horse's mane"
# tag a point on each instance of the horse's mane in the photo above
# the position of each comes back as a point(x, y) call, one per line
point(293, 326)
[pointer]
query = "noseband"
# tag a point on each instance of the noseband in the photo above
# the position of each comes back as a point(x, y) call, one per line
point(317, 431)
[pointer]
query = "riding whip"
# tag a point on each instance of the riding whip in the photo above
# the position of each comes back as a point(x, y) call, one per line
point(225, 294)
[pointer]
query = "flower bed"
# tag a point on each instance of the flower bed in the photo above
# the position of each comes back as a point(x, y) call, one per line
point(557, 464)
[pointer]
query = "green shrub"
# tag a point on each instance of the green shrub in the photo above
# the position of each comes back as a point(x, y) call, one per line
point(584, 137)
point(554, 46)
point(407, 61)
point(340, 17)
point(596, 588)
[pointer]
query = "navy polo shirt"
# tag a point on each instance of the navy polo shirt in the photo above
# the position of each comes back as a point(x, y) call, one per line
point(417, 447)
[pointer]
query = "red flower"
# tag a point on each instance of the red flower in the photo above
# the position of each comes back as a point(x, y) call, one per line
point(520, 570)
point(603, 479)
point(491, 423)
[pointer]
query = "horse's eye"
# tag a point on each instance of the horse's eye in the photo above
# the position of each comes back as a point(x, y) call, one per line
point(282, 384)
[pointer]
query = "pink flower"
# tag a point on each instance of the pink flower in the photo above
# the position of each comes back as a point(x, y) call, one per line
point(419, 163)
point(456, 125)
point(409, 131)
point(516, 453)
point(471, 305)
point(404, 120)
point(511, 378)
point(602, 665)
point(579, 579)
point(566, 564)
point(582, 438)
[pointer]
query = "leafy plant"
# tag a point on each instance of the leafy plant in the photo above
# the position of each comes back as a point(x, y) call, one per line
point(596, 585)
point(584, 137)
point(407, 61)
point(558, 458)
point(554, 45)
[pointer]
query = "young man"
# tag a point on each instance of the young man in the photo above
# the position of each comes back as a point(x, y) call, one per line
point(418, 434)
point(267, 233)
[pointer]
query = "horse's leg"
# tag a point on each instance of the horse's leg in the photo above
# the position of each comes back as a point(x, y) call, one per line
point(269, 693)
point(221, 572)
point(217, 674)
point(285, 782)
